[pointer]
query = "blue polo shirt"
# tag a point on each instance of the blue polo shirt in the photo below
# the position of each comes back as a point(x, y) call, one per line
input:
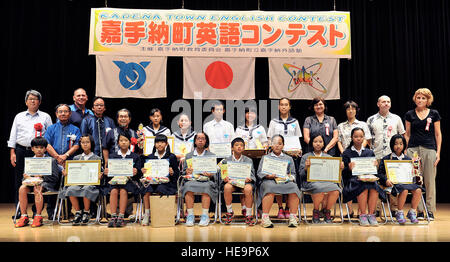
point(58, 136)
point(77, 115)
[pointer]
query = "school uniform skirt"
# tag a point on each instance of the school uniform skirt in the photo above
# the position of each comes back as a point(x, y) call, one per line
point(131, 186)
point(319, 187)
point(163, 189)
point(206, 187)
point(269, 186)
point(355, 187)
point(398, 188)
point(89, 192)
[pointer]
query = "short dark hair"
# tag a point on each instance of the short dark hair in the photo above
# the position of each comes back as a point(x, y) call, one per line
point(161, 138)
point(39, 141)
point(60, 105)
point(217, 103)
point(395, 137)
point(317, 100)
point(353, 104)
point(123, 110)
point(351, 135)
point(124, 134)
point(237, 139)
point(97, 98)
point(206, 137)
point(280, 136)
point(313, 136)
point(91, 140)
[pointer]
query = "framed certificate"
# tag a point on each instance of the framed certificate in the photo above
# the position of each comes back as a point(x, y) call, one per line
point(120, 167)
point(275, 166)
point(82, 172)
point(182, 147)
point(364, 166)
point(149, 143)
point(324, 169)
point(202, 164)
point(239, 170)
point(221, 150)
point(38, 166)
point(399, 171)
point(157, 168)
point(291, 143)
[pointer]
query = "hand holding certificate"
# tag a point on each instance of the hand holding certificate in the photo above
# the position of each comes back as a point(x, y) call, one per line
point(399, 171)
point(363, 166)
point(38, 166)
point(274, 166)
point(324, 169)
point(120, 167)
point(204, 164)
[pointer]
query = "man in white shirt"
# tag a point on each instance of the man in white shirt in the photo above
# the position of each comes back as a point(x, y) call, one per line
point(219, 130)
point(26, 126)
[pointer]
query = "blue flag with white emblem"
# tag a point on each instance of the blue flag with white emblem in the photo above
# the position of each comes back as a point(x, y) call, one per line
point(129, 76)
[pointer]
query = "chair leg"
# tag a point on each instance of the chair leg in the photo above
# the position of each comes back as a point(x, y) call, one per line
point(426, 210)
point(17, 212)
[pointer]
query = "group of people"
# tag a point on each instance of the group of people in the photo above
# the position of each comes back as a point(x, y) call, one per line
point(83, 134)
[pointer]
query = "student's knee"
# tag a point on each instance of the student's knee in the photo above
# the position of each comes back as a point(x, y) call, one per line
point(248, 189)
point(228, 188)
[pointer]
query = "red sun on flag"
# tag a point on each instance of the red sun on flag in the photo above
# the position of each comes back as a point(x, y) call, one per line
point(219, 75)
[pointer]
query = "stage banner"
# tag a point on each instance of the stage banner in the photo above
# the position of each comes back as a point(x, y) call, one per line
point(184, 32)
point(128, 76)
point(226, 78)
point(304, 78)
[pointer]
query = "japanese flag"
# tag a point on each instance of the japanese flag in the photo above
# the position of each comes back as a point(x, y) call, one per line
point(304, 78)
point(131, 76)
point(219, 78)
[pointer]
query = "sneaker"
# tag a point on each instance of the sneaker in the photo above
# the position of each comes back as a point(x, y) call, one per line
point(412, 216)
point(23, 221)
point(327, 216)
point(363, 220)
point(190, 219)
point(204, 221)
point(146, 220)
point(322, 213)
point(244, 212)
point(37, 221)
point(431, 216)
point(293, 221)
point(316, 216)
point(77, 219)
point(420, 216)
point(281, 214)
point(287, 213)
point(85, 218)
point(120, 222)
point(373, 220)
point(266, 223)
point(250, 220)
point(228, 218)
point(112, 222)
point(401, 217)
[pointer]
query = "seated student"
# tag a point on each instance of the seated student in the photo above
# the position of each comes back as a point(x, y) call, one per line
point(38, 185)
point(318, 189)
point(271, 186)
point(161, 150)
point(398, 144)
point(366, 192)
point(88, 193)
point(237, 147)
point(204, 184)
point(120, 185)
point(155, 127)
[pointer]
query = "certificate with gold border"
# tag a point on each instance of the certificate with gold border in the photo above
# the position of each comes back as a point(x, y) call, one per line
point(399, 171)
point(82, 172)
point(324, 169)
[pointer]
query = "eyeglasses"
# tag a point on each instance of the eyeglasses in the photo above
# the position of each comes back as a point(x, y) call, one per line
point(99, 105)
point(63, 111)
point(33, 99)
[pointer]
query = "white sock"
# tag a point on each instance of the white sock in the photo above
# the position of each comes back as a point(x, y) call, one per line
point(244, 207)
point(249, 211)
point(205, 211)
point(265, 215)
point(147, 212)
point(230, 208)
point(292, 215)
point(190, 211)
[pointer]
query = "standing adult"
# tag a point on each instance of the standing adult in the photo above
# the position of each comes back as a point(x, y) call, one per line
point(320, 123)
point(78, 108)
point(424, 137)
point(345, 128)
point(97, 125)
point(26, 126)
point(218, 129)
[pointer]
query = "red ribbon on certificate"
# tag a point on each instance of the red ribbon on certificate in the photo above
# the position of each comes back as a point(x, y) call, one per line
point(427, 128)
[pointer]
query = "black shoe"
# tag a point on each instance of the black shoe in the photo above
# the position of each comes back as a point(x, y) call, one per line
point(112, 222)
point(85, 219)
point(394, 213)
point(431, 216)
point(77, 219)
point(17, 216)
point(120, 222)
point(377, 214)
point(420, 216)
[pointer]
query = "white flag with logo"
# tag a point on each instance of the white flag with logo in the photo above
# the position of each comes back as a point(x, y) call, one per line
point(304, 78)
point(131, 76)
point(230, 78)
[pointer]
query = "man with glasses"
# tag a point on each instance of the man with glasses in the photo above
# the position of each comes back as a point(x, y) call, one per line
point(97, 125)
point(26, 126)
point(78, 108)
point(383, 125)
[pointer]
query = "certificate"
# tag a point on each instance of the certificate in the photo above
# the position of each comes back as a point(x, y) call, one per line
point(324, 169)
point(38, 166)
point(291, 143)
point(149, 143)
point(399, 171)
point(221, 150)
point(364, 166)
point(81, 172)
point(157, 168)
point(275, 166)
point(182, 147)
point(120, 167)
point(202, 164)
point(239, 170)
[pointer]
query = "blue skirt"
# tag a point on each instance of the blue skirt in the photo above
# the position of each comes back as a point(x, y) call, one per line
point(355, 187)
point(163, 189)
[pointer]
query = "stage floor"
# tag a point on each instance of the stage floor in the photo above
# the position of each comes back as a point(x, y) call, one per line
point(436, 231)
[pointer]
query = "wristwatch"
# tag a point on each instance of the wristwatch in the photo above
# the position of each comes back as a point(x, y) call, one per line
point(67, 154)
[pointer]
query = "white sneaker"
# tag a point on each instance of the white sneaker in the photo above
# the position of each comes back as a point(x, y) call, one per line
point(204, 221)
point(146, 220)
point(293, 221)
point(265, 222)
point(190, 219)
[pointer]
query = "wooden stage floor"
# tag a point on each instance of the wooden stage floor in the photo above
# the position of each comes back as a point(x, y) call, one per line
point(436, 231)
